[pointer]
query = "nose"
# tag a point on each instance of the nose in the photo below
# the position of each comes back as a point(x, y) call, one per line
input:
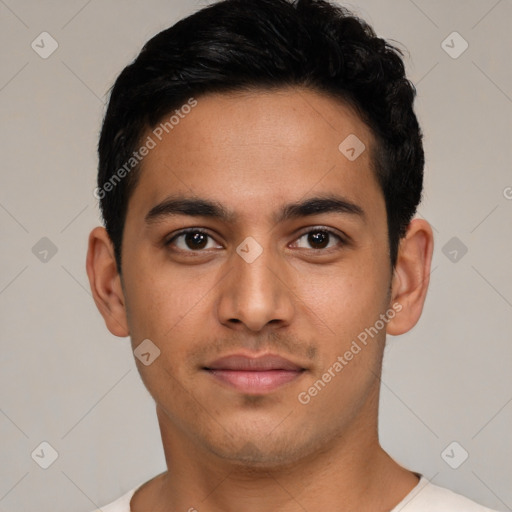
point(254, 294)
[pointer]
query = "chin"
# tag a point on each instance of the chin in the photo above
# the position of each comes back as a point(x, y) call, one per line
point(262, 454)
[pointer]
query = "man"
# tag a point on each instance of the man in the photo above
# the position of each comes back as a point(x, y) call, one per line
point(260, 164)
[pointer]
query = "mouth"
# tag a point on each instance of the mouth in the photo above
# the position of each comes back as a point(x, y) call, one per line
point(254, 375)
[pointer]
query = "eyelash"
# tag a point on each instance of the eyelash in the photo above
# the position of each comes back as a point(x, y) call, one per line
point(315, 229)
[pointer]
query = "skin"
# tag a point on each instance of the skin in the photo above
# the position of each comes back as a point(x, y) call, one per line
point(227, 450)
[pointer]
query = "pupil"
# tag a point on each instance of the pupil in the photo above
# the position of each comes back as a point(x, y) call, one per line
point(318, 238)
point(195, 240)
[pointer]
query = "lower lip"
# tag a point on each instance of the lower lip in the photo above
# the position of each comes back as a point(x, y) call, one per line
point(255, 381)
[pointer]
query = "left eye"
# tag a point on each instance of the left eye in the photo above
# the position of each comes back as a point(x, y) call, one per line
point(318, 239)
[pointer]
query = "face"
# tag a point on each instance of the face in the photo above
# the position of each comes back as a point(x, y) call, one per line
point(291, 261)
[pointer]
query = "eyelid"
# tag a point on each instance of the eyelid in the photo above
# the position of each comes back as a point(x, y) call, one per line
point(184, 231)
point(344, 239)
point(342, 236)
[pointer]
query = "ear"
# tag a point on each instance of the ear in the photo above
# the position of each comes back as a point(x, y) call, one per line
point(105, 282)
point(411, 276)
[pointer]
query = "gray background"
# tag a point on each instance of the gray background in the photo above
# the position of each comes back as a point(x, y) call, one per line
point(67, 381)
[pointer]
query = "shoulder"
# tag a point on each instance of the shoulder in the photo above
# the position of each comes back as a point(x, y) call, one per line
point(428, 497)
point(122, 504)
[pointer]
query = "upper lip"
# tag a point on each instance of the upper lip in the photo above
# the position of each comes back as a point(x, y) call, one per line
point(239, 362)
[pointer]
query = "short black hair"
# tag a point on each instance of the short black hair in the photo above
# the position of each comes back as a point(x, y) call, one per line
point(237, 45)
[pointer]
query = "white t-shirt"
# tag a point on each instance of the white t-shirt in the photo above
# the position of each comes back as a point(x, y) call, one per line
point(425, 497)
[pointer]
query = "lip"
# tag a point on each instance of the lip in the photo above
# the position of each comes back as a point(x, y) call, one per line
point(254, 375)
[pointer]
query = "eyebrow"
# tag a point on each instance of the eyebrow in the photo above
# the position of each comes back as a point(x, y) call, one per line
point(198, 207)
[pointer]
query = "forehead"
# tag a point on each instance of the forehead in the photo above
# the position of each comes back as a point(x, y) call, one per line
point(253, 149)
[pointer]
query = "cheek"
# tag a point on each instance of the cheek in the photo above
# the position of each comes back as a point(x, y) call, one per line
point(348, 297)
point(167, 309)
point(161, 300)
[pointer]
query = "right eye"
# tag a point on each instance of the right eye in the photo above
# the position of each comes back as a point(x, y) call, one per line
point(191, 240)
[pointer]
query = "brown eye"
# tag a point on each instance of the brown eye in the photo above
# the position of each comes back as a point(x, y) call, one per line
point(318, 239)
point(191, 240)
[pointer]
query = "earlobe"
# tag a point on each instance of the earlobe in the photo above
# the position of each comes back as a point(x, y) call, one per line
point(105, 282)
point(411, 276)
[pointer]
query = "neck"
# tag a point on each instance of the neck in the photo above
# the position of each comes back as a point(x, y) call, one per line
point(352, 471)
